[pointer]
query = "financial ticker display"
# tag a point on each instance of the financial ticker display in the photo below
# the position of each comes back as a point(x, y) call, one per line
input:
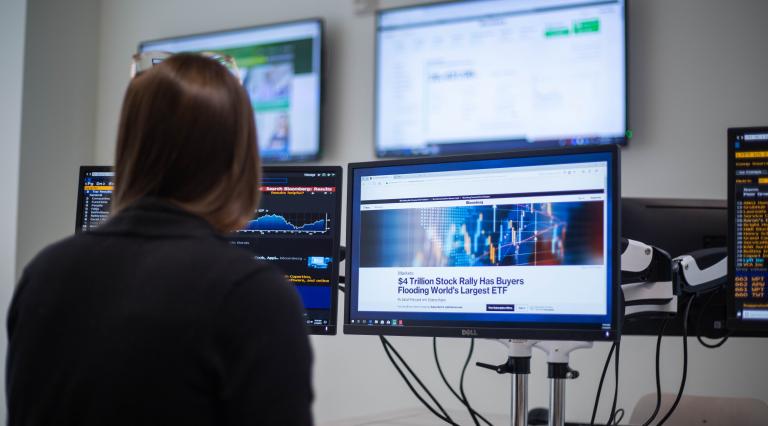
point(94, 200)
point(748, 211)
point(297, 228)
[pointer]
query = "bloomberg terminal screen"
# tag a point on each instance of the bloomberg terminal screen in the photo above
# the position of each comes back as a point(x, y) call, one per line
point(749, 192)
point(95, 199)
point(297, 228)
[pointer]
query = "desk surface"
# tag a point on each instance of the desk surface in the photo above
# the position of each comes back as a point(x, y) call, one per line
point(420, 417)
point(413, 417)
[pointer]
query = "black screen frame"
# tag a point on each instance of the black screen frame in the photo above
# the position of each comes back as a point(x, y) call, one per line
point(617, 313)
point(374, 96)
point(81, 195)
point(751, 328)
point(321, 113)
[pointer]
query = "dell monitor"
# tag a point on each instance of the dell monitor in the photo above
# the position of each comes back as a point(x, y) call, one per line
point(512, 245)
point(748, 223)
point(281, 69)
point(493, 75)
point(296, 228)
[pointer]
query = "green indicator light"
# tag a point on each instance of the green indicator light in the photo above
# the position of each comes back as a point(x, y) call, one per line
point(586, 26)
point(629, 134)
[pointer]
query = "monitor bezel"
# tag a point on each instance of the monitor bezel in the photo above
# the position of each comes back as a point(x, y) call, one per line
point(81, 195)
point(733, 322)
point(383, 154)
point(321, 112)
point(617, 312)
point(332, 327)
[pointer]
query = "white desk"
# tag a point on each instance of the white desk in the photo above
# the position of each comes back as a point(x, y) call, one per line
point(414, 417)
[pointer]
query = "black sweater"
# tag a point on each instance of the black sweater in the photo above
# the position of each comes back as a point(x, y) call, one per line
point(154, 319)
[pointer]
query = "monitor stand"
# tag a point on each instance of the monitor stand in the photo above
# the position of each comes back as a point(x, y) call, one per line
point(558, 371)
point(519, 366)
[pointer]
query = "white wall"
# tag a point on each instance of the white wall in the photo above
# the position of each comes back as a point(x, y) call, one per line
point(12, 22)
point(697, 67)
point(58, 123)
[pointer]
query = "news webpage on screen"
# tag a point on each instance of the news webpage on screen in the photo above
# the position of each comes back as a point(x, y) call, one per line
point(517, 241)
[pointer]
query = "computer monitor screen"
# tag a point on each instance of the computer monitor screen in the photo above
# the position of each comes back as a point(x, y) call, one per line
point(514, 245)
point(748, 223)
point(281, 68)
point(296, 227)
point(492, 75)
point(94, 196)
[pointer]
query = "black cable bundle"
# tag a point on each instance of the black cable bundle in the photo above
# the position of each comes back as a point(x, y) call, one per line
point(463, 397)
point(685, 362)
point(614, 417)
point(389, 349)
point(658, 375)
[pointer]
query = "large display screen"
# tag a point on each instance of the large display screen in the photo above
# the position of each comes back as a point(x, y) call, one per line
point(296, 227)
point(520, 246)
point(281, 68)
point(494, 75)
point(748, 222)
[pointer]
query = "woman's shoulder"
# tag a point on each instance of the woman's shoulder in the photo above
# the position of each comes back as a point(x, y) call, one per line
point(197, 259)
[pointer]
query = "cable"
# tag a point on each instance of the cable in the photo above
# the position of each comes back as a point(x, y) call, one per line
point(444, 416)
point(600, 386)
point(461, 381)
point(445, 380)
point(658, 375)
point(722, 340)
point(616, 387)
point(620, 414)
point(685, 362)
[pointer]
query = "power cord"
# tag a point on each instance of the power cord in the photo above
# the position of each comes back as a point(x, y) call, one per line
point(619, 415)
point(600, 385)
point(461, 399)
point(685, 362)
point(658, 375)
point(614, 413)
point(614, 351)
point(445, 380)
point(722, 340)
point(461, 382)
point(442, 415)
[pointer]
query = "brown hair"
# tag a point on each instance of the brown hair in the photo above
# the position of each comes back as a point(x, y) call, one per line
point(187, 134)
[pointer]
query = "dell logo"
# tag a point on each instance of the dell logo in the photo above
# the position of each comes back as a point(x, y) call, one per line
point(468, 332)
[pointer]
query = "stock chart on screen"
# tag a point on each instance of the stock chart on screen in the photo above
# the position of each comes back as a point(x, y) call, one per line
point(297, 228)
